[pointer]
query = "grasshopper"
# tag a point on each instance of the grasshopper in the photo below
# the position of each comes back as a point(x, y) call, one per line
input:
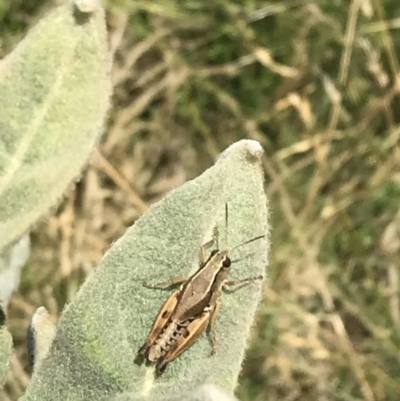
point(190, 309)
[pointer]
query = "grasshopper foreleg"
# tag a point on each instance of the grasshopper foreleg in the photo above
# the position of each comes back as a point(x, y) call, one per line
point(169, 283)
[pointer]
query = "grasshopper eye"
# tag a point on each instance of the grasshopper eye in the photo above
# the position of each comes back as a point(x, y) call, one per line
point(226, 262)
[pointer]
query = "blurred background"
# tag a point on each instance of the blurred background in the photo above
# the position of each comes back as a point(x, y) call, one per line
point(317, 83)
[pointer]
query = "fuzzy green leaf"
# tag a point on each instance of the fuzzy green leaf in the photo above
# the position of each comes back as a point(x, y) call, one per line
point(5, 348)
point(93, 354)
point(54, 93)
point(206, 392)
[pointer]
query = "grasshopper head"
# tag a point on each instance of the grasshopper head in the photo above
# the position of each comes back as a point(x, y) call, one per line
point(221, 258)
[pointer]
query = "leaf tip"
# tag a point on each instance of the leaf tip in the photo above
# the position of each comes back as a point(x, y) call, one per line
point(41, 332)
point(87, 6)
point(248, 147)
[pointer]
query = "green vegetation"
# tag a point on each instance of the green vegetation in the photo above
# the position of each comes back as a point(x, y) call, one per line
point(317, 84)
point(93, 355)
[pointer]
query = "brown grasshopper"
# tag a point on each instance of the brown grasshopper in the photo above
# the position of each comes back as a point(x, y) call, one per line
point(188, 310)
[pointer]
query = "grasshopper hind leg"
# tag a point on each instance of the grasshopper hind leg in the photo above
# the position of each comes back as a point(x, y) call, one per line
point(213, 320)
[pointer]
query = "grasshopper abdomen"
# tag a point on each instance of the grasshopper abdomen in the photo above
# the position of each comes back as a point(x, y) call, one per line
point(167, 340)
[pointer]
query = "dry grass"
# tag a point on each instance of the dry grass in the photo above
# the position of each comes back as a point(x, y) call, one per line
point(317, 83)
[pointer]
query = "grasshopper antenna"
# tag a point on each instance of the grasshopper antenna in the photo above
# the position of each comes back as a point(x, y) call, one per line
point(247, 242)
